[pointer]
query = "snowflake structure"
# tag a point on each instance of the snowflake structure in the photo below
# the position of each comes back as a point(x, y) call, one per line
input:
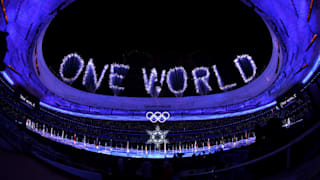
point(157, 137)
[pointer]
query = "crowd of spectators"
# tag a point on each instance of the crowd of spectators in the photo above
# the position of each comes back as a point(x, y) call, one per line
point(118, 133)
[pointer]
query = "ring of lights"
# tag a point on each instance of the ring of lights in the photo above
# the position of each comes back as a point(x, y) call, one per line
point(293, 27)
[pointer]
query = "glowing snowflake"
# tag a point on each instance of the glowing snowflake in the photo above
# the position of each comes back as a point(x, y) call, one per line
point(157, 137)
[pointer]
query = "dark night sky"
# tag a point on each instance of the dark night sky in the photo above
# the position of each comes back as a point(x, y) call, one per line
point(164, 35)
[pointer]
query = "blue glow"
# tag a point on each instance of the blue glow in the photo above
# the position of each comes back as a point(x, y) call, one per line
point(178, 74)
point(71, 65)
point(201, 80)
point(117, 74)
point(29, 25)
point(239, 67)
point(227, 115)
point(149, 83)
point(221, 84)
point(313, 70)
point(93, 116)
point(127, 117)
point(5, 75)
point(141, 153)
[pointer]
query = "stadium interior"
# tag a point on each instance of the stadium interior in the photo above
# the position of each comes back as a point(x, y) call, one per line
point(223, 90)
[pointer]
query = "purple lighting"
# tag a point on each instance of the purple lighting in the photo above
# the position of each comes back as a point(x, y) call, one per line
point(9, 80)
point(201, 80)
point(289, 29)
point(72, 64)
point(138, 153)
point(91, 76)
point(177, 80)
point(149, 83)
point(117, 74)
point(312, 71)
point(126, 117)
point(221, 84)
point(248, 58)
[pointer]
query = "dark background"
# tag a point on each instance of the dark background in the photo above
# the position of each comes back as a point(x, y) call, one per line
point(161, 35)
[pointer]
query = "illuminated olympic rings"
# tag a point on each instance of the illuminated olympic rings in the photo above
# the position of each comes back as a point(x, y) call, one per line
point(158, 116)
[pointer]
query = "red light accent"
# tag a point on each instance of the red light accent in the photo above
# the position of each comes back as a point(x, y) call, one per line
point(278, 63)
point(4, 12)
point(13, 69)
point(37, 67)
point(310, 11)
point(304, 66)
point(312, 41)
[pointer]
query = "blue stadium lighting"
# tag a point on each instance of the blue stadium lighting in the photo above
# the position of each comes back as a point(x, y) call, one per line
point(5, 75)
point(139, 153)
point(172, 118)
point(313, 70)
point(227, 115)
point(291, 30)
point(93, 116)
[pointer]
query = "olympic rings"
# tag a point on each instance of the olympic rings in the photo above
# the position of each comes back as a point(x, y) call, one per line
point(158, 116)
